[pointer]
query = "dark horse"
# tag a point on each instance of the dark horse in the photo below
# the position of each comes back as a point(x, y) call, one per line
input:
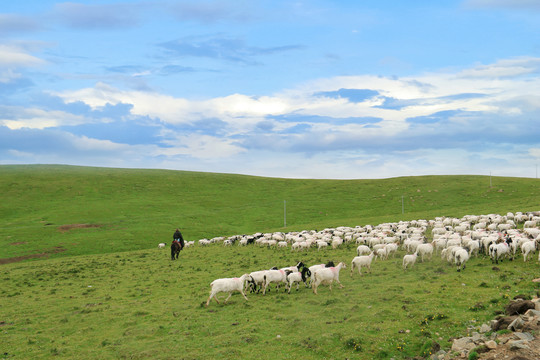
point(175, 250)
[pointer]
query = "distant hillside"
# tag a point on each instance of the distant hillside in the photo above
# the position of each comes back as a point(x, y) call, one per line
point(51, 210)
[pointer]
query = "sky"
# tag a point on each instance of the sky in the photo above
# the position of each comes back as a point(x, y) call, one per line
point(290, 89)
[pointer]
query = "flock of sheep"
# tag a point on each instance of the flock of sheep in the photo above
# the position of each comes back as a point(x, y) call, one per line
point(455, 239)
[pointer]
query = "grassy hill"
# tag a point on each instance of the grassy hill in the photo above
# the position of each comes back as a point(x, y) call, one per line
point(67, 210)
point(96, 286)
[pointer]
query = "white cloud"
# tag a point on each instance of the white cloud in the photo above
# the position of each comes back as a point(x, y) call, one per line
point(33, 118)
point(503, 68)
point(535, 152)
point(428, 119)
point(14, 56)
point(200, 147)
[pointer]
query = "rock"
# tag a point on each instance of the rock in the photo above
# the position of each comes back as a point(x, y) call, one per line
point(524, 336)
point(516, 324)
point(536, 303)
point(478, 338)
point(491, 344)
point(531, 313)
point(484, 328)
point(503, 322)
point(517, 345)
point(439, 355)
point(519, 307)
point(464, 343)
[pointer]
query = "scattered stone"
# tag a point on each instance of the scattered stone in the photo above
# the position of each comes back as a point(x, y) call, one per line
point(503, 322)
point(524, 336)
point(484, 328)
point(516, 324)
point(463, 344)
point(478, 338)
point(532, 313)
point(519, 344)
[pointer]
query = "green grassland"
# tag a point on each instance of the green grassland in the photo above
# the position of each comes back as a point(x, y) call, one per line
point(105, 290)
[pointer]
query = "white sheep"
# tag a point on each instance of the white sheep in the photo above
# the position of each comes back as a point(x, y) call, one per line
point(274, 276)
point(391, 249)
point(409, 260)
point(321, 244)
point(258, 280)
point(527, 248)
point(228, 285)
point(473, 246)
point(529, 224)
point(327, 276)
point(336, 242)
point(461, 256)
point(498, 251)
point(362, 261)
point(314, 268)
point(161, 245)
point(381, 253)
point(424, 250)
point(363, 250)
point(297, 277)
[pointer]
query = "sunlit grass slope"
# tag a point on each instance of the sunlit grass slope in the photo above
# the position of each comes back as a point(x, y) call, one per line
point(142, 305)
point(136, 209)
point(92, 283)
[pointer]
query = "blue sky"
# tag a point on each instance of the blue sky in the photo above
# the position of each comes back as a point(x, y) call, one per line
point(293, 89)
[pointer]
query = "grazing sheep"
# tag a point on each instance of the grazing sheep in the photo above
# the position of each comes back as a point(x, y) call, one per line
point(274, 276)
point(362, 261)
point(314, 268)
point(498, 252)
point(473, 247)
point(204, 242)
point(461, 256)
point(424, 250)
point(228, 285)
point(381, 253)
point(409, 260)
point(391, 249)
point(327, 276)
point(161, 245)
point(258, 280)
point(529, 224)
point(297, 277)
point(321, 244)
point(527, 248)
point(363, 250)
point(336, 242)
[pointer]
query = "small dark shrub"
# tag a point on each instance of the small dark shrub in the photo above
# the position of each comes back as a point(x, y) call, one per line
point(477, 307)
point(354, 344)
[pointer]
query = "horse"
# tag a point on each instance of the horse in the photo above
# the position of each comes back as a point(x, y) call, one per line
point(175, 250)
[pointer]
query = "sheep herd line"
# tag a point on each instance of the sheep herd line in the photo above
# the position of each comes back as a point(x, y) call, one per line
point(455, 239)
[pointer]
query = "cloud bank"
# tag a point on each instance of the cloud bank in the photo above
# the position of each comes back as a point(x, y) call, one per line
point(475, 120)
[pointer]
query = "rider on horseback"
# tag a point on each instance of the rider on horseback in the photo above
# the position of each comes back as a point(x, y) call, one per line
point(178, 238)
